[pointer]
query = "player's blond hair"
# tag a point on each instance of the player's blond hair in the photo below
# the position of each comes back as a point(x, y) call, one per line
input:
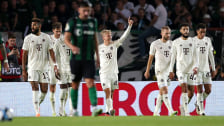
point(105, 31)
point(165, 28)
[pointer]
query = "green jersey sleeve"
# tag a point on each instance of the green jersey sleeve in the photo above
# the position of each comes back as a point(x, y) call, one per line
point(1, 40)
point(69, 25)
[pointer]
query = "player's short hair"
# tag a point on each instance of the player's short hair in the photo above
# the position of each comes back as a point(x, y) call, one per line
point(36, 20)
point(105, 31)
point(11, 36)
point(165, 28)
point(84, 4)
point(56, 25)
point(183, 25)
point(201, 26)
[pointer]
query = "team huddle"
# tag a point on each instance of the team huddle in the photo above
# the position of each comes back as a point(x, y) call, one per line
point(192, 57)
point(66, 59)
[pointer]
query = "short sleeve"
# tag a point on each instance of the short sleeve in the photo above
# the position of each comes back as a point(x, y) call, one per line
point(69, 25)
point(152, 49)
point(96, 25)
point(157, 12)
point(50, 44)
point(26, 44)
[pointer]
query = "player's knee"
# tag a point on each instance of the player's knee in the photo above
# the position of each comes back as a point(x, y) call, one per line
point(208, 91)
point(63, 86)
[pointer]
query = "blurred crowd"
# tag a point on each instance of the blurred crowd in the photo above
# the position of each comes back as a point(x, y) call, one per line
point(15, 15)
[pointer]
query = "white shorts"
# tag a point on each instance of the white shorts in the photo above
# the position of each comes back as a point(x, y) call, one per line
point(203, 78)
point(163, 80)
point(53, 79)
point(66, 78)
point(187, 78)
point(109, 81)
point(38, 76)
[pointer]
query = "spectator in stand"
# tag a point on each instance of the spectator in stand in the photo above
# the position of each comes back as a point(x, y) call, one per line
point(149, 9)
point(98, 10)
point(105, 23)
point(74, 9)
point(143, 21)
point(25, 14)
point(123, 13)
point(62, 14)
point(207, 20)
point(4, 15)
point(135, 18)
point(159, 20)
point(12, 14)
point(14, 61)
point(128, 5)
point(120, 26)
point(199, 10)
point(220, 22)
point(45, 19)
point(52, 7)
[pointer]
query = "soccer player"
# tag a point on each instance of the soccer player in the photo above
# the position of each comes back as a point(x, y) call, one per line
point(185, 52)
point(36, 47)
point(81, 31)
point(62, 53)
point(108, 65)
point(4, 54)
point(204, 76)
point(161, 50)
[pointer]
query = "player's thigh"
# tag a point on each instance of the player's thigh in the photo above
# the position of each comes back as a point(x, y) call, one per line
point(207, 79)
point(65, 79)
point(52, 87)
point(182, 78)
point(114, 81)
point(191, 79)
point(199, 78)
point(89, 69)
point(76, 70)
point(105, 81)
point(44, 87)
point(33, 76)
point(34, 85)
point(162, 80)
point(52, 78)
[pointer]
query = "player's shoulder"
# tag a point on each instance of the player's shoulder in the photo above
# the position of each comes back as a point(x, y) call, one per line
point(208, 39)
point(156, 42)
point(177, 40)
point(29, 36)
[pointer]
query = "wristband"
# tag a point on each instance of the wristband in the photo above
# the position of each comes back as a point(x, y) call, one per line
point(6, 61)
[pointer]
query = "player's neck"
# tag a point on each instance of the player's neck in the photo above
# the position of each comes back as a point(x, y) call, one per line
point(82, 18)
point(200, 37)
point(163, 40)
point(57, 36)
point(106, 43)
point(184, 38)
point(38, 33)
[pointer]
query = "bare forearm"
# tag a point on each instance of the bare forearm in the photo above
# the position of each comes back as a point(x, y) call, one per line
point(52, 55)
point(96, 47)
point(153, 21)
point(3, 51)
point(149, 63)
point(24, 60)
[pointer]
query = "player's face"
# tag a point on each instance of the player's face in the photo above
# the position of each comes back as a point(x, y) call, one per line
point(184, 31)
point(107, 36)
point(166, 34)
point(201, 33)
point(57, 31)
point(84, 12)
point(35, 27)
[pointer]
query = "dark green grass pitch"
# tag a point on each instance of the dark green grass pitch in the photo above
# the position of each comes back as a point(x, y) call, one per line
point(117, 121)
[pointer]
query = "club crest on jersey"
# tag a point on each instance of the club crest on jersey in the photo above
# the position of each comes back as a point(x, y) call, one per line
point(180, 44)
point(32, 41)
point(63, 46)
point(43, 40)
point(169, 47)
point(102, 50)
point(206, 43)
point(190, 44)
point(78, 32)
point(161, 47)
point(181, 77)
point(90, 24)
point(111, 48)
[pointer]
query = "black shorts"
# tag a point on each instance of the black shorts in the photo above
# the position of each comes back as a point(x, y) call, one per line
point(81, 69)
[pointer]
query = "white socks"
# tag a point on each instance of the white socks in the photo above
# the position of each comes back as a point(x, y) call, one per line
point(62, 98)
point(36, 101)
point(166, 100)
point(41, 98)
point(200, 102)
point(205, 95)
point(69, 99)
point(184, 97)
point(109, 104)
point(52, 99)
point(159, 102)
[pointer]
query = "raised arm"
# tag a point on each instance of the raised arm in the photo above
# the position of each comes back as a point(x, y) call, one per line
point(125, 34)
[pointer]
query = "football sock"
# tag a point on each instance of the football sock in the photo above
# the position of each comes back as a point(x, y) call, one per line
point(62, 97)
point(184, 97)
point(205, 95)
point(200, 102)
point(74, 98)
point(92, 96)
point(52, 99)
point(159, 102)
point(109, 104)
point(41, 98)
point(69, 98)
point(166, 100)
point(35, 101)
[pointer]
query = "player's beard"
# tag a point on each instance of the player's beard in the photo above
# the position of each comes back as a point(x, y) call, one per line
point(35, 31)
point(185, 36)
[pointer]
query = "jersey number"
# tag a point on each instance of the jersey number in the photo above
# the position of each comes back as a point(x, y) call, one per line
point(39, 47)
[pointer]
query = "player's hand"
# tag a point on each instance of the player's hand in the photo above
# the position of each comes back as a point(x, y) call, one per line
point(171, 76)
point(75, 50)
point(6, 66)
point(213, 74)
point(195, 70)
point(24, 74)
point(147, 75)
point(130, 22)
point(57, 73)
point(222, 74)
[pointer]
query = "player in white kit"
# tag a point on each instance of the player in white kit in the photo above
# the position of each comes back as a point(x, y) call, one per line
point(62, 53)
point(108, 65)
point(36, 47)
point(204, 76)
point(185, 52)
point(161, 50)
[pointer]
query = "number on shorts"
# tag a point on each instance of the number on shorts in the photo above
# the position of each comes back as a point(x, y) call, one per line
point(45, 75)
point(208, 74)
point(192, 77)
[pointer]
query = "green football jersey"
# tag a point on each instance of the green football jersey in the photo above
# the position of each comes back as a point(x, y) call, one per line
point(83, 36)
point(1, 40)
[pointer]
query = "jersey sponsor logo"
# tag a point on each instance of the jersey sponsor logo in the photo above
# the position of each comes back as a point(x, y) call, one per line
point(202, 49)
point(109, 55)
point(186, 51)
point(39, 47)
point(79, 32)
point(166, 53)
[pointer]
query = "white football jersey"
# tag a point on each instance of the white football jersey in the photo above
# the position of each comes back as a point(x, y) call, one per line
point(38, 48)
point(108, 54)
point(62, 54)
point(185, 52)
point(205, 54)
point(162, 52)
